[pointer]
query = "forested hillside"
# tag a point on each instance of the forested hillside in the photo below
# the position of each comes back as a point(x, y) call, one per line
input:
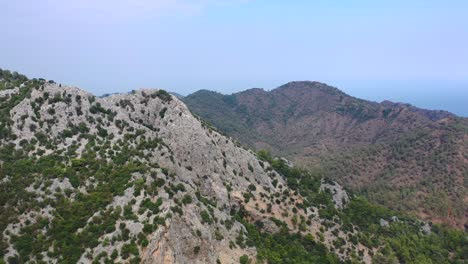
point(400, 156)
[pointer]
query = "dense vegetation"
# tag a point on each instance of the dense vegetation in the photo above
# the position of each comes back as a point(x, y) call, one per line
point(403, 240)
point(443, 196)
point(70, 214)
point(286, 247)
point(10, 80)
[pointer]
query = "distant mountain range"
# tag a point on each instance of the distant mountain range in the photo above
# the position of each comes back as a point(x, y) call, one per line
point(404, 157)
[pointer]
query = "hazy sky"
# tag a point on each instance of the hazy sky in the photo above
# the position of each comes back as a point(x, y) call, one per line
point(413, 51)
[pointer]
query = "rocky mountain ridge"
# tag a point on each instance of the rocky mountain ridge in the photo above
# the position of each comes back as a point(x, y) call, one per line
point(189, 167)
point(136, 178)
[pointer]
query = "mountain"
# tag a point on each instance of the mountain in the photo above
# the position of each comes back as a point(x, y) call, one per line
point(136, 178)
point(400, 156)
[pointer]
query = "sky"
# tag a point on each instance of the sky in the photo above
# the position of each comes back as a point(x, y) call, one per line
point(409, 51)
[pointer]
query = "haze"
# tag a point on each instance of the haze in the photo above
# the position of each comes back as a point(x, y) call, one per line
point(412, 52)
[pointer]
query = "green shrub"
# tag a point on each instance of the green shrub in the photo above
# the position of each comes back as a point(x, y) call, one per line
point(162, 112)
point(244, 259)
point(129, 249)
point(187, 199)
point(205, 217)
point(163, 95)
point(196, 249)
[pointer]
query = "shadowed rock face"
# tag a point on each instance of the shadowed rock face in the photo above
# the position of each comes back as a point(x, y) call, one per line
point(399, 155)
point(165, 156)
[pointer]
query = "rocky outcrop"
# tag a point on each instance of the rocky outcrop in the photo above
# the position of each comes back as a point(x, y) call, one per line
point(179, 208)
point(339, 195)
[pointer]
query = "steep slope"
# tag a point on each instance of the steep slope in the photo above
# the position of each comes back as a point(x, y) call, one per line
point(129, 178)
point(399, 155)
point(135, 178)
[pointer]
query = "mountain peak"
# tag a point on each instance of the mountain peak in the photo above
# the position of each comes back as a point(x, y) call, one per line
point(254, 90)
point(307, 86)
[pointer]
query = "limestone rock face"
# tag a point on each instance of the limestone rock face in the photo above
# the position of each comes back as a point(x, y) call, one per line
point(195, 176)
point(340, 196)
